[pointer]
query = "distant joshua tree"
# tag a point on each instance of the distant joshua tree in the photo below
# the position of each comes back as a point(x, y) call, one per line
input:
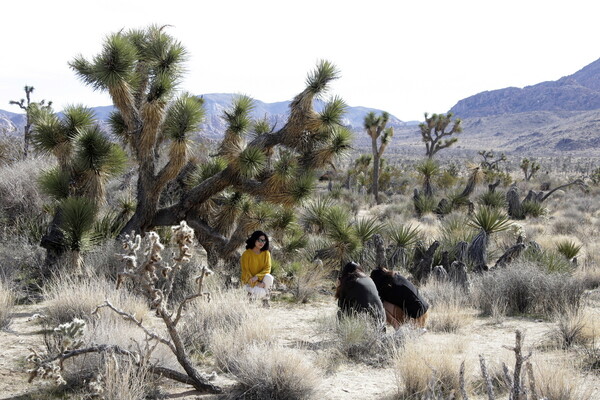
point(256, 165)
point(30, 109)
point(376, 128)
point(435, 128)
point(529, 168)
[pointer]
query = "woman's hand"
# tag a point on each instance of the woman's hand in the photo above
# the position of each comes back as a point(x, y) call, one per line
point(254, 279)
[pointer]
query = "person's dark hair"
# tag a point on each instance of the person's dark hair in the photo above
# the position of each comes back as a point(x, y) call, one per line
point(251, 242)
point(381, 277)
point(351, 272)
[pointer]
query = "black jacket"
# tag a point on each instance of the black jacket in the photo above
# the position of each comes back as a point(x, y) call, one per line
point(361, 296)
point(401, 293)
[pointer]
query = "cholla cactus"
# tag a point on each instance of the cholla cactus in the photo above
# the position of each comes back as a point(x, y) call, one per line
point(50, 368)
point(70, 334)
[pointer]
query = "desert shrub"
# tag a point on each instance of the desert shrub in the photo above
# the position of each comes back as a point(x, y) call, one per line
point(449, 306)
point(492, 199)
point(7, 302)
point(548, 260)
point(533, 209)
point(71, 297)
point(558, 382)
point(228, 341)
point(358, 338)
point(307, 282)
point(568, 248)
point(424, 204)
point(273, 373)
point(120, 378)
point(229, 309)
point(526, 289)
point(20, 196)
point(21, 262)
point(423, 374)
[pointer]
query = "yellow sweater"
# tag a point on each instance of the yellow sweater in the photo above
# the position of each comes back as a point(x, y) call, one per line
point(255, 265)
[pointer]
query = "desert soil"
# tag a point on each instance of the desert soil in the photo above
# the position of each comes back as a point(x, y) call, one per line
point(300, 326)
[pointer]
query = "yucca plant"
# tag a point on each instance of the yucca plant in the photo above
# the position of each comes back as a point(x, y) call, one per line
point(424, 205)
point(568, 248)
point(365, 229)
point(402, 237)
point(492, 199)
point(341, 234)
point(86, 161)
point(533, 208)
point(488, 220)
point(313, 214)
point(428, 170)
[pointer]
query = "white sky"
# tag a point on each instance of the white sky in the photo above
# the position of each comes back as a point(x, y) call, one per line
point(402, 56)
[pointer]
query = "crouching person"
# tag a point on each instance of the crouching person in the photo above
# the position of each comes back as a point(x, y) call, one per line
point(401, 299)
point(256, 266)
point(357, 293)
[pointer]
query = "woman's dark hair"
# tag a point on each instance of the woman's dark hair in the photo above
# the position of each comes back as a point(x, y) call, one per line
point(351, 272)
point(382, 277)
point(251, 242)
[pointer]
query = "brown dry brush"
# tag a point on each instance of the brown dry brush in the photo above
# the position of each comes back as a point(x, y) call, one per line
point(143, 266)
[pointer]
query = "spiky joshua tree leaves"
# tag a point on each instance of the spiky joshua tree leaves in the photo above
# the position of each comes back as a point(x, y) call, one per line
point(375, 125)
point(86, 159)
point(140, 70)
point(437, 127)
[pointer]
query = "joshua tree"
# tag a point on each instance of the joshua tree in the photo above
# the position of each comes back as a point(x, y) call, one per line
point(428, 170)
point(375, 126)
point(488, 221)
point(86, 159)
point(490, 162)
point(30, 109)
point(529, 168)
point(435, 128)
point(140, 70)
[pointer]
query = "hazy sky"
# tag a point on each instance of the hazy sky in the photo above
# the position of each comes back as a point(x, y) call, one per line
point(405, 57)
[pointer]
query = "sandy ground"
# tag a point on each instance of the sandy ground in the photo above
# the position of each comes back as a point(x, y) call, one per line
point(301, 326)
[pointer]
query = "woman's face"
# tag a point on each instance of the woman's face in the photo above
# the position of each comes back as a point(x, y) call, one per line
point(260, 242)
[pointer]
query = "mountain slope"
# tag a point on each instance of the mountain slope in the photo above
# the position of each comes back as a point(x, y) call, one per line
point(577, 92)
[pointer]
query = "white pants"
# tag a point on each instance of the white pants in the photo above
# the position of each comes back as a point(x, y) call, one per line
point(259, 292)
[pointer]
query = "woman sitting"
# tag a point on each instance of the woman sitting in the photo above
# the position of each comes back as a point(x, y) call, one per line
point(356, 293)
point(256, 265)
point(401, 299)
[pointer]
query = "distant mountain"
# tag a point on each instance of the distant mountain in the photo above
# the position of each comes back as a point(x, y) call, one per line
point(10, 123)
point(577, 92)
point(215, 104)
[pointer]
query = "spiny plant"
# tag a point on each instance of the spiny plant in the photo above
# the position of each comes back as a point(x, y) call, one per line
point(568, 248)
point(140, 69)
point(86, 159)
point(375, 125)
point(402, 238)
point(488, 221)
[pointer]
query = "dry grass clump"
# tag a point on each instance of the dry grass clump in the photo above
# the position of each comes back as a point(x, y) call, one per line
point(227, 310)
point(449, 306)
point(559, 382)
point(19, 259)
point(69, 297)
point(274, 372)
point(263, 369)
point(422, 373)
point(358, 338)
point(307, 282)
point(121, 379)
point(7, 302)
point(228, 341)
point(525, 289)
